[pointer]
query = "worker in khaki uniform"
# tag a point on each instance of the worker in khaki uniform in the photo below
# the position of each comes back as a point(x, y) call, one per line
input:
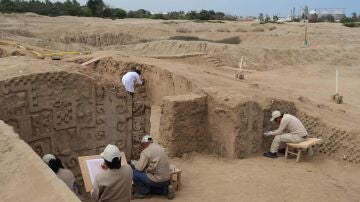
point(296, 132)
point(152, 171)
point(113, 185)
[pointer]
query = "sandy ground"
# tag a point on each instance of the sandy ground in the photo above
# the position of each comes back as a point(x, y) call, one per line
point(210, 178)
point(277, 65)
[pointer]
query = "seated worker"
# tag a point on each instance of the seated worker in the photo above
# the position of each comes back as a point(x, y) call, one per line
point(115, 183)
point(296, 132)
point(129, 79)
point(152, 171)
point(64, 174)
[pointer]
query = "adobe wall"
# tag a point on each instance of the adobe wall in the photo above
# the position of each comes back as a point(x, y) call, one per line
point(183, 124)
point(24, 176)
point(71, 115)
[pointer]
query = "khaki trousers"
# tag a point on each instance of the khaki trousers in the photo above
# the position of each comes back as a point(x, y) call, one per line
point(284, 138)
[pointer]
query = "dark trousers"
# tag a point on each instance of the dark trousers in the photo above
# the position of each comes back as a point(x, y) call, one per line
point(145, 186)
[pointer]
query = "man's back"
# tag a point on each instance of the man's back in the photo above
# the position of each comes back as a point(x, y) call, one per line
point(128, 80)
point(294, 125)
point(114, 185)
point(158, 168)
point(67, 176)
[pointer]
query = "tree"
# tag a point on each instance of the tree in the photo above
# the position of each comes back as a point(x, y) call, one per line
point(120, 13)
point(261, 17)
point(96, 7)
point(354, 17)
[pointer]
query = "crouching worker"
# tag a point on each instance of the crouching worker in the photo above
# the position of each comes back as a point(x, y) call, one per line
point(152, 171)
point(64, 174)
point(296, 132)
point(115, 183)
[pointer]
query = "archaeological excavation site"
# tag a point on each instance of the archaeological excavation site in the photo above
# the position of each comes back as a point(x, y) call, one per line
point(61, 93)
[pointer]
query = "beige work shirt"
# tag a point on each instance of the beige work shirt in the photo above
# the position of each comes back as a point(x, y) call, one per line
point(291, 124)
point(66, 176)
point(113, 185)
point(154, 161)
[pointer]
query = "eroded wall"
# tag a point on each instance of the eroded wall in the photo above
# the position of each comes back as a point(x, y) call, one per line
point(24, 176)
point(71, 115)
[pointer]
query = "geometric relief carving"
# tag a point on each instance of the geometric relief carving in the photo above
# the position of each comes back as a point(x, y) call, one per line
point(41, 146)
point(41, 123)
point(85, 114)
point(139, 123)
point(64, 116)
point(138, 109)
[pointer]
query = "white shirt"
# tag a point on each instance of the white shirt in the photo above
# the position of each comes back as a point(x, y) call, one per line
point(292, 124)
point(128, 80)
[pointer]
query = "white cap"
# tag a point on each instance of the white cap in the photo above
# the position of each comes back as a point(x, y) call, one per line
point(146, 138)
point(48, 157)
point(275, 114)
point(110, 152)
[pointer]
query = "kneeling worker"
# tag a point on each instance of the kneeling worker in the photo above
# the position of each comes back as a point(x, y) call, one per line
point(115, 183)
point(297, 132)
point(152, 171)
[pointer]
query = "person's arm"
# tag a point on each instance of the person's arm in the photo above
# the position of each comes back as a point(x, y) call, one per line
point(95, 192)
point(138, 80)
point(283, 124)
point(142, 163)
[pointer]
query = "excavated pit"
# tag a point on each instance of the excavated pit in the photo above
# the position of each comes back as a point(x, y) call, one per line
point(77, 113)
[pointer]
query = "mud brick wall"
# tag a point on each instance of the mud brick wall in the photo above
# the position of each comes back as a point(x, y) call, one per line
point(183, 124)
point(71, 115)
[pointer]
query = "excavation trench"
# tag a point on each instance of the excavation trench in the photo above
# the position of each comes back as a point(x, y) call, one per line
point(73, 114)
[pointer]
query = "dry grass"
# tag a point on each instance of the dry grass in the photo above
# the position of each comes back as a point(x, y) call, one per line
point(272, 28)
point(183, 30)
point(258, 29)
point(202, 30)
point(240, 29)
point(222, 30)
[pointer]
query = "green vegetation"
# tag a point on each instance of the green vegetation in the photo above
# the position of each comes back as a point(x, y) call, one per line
point(97, 8)
point(352, 22)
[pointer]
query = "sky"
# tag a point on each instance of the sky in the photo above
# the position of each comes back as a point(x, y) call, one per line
point(234, 7)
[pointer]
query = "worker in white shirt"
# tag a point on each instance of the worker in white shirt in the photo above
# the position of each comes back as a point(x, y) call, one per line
point(296, 132)
point(152, 171)
point(64, 174)
point(129, 79)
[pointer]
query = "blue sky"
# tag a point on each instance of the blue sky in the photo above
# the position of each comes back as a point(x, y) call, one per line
point(235, 7)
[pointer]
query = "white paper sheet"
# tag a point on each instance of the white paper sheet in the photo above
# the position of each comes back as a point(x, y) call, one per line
point(94, 167)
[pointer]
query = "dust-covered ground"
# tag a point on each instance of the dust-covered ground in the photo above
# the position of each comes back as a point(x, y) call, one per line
point(207, 55)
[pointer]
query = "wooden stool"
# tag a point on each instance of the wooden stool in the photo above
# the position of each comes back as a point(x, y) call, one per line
point(176, 182)
point(302, 146)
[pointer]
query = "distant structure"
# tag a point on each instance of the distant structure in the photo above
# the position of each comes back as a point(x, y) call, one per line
point(337, 13)
point(314, 14)
point(305, 13)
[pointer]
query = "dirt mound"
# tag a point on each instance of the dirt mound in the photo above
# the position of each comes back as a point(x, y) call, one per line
point(169, 47)
point(103, 39)
point(3, 53)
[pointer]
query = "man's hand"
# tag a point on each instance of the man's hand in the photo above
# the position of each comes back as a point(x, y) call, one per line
point(133, 162)
point(103, 166)
point(268, 133)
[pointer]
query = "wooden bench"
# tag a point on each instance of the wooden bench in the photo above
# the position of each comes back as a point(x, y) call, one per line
point(175, 178)
point(302, 146)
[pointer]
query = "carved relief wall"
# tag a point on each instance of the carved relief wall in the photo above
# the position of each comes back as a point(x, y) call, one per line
point(71, 115)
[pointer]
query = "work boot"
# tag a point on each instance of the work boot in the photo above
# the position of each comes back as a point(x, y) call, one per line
point(137, 195)
point(171, 192)
point(270, 155)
